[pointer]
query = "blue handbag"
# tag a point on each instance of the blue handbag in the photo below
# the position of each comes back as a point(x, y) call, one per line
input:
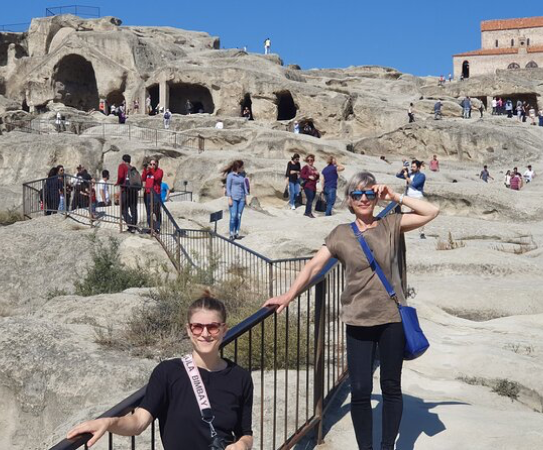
point(415, 341)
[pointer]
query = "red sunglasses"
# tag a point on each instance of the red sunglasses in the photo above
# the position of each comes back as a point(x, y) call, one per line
point(213, 328)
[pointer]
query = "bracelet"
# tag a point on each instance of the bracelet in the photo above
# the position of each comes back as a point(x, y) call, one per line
point(400, 201)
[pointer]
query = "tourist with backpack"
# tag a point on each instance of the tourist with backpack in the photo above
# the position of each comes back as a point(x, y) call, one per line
point(129, 180)
point(167, 118)
point(152, 179)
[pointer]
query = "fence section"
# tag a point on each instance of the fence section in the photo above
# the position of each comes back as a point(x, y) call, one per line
point(83, 11)
point(297, 359)
point(129, 131)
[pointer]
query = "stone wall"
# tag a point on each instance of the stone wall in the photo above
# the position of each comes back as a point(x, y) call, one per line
point(488, 38)
point(488, 64)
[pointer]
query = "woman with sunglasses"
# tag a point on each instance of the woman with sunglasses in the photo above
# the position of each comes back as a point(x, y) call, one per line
point(170, 397)
point(372, 318)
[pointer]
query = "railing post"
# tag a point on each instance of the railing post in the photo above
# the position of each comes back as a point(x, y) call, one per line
point(24, 200)
point(104, 130)
point(178, 249)
point(151, 204)
point(270, 279)
point(156, 138)
point(65, 198)
point(320, 303)
point(120, 208)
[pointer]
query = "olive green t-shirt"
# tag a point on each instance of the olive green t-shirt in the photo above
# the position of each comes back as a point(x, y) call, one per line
point(365, 301)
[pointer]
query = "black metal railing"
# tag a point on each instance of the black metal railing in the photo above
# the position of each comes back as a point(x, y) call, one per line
point(155, 136)
point(77, 10)
point(297, 359)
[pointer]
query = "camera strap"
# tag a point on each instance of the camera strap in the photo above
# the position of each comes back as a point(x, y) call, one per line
point(199, 392)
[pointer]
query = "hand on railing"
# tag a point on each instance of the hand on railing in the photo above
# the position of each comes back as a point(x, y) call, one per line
point(97, 428)
point(281, 301)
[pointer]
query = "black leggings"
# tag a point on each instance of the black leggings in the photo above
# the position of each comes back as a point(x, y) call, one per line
point(361, 345)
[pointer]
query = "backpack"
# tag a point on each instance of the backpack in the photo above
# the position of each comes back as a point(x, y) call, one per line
point(134, 178)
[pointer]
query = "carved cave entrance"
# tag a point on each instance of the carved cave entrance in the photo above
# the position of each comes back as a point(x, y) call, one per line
point(286, 109)
point(198, 95)
point(115, 98)
point(154, 92)
point(465, 69)
point(74, 82)
point(247, 103)
point(529, 98)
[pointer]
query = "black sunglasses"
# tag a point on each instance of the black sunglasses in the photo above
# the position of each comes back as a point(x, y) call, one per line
point(357, 195)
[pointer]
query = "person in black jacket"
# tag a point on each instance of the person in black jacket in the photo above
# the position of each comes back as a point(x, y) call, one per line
point(292, 177)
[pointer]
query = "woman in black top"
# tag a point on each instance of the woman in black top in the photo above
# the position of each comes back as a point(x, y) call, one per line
point(292, 178)
point(170, 398)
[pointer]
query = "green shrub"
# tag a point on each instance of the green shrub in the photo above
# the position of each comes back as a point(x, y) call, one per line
point(108, 274)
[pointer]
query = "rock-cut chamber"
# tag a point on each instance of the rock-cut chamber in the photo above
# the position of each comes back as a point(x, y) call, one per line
point(74, 83)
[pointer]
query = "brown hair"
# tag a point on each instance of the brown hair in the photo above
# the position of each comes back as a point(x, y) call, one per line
point(311, 155)
point(330, 159)
point(233, 167)
point(208, 303)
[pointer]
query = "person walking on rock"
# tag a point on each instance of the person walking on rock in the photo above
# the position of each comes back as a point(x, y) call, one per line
point(310, 178)
point(292, 177)
point(485, 174)
point(371, 316)
point(410, 113)
point(509, 108)
point(167, 118)
point(329, 183)
point(466, 106)
point(434, 164)
point(438, 115)
point(267, 46)
point(237, 193)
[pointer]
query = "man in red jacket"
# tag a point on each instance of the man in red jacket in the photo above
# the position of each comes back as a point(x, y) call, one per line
point(129, 196)
point(152, 180)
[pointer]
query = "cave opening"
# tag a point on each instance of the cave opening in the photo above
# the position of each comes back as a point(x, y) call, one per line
point(529, 98)
point(186, 98)
point(154, 93)
point(286, 109)
point(246, 105)
point(74, 82)
point(115, 98)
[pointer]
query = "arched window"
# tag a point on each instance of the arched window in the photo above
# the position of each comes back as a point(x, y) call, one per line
point(496, 43)
point(531, 65)
point(465, 69)
point(528, 41)
point(513, 66)
point(512, 42)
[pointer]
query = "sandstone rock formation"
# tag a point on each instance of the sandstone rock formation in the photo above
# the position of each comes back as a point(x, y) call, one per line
point(476, 301)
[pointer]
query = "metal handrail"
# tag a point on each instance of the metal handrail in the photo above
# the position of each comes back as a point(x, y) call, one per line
point(324, 300)
point(27, 125)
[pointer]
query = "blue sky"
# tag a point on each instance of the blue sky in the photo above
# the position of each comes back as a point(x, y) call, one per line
point(417, 36)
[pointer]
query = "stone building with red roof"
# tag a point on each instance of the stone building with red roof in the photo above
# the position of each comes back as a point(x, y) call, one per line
point(505, 44)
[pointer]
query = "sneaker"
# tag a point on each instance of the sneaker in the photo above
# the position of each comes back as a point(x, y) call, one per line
point(422, 236)
point(292, 207)
point(311, 216)
point(232, 237)
point(237, 236)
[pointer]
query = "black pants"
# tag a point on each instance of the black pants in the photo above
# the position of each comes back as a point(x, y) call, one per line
point(157, 210)
point(361, 346)
point(129, 201)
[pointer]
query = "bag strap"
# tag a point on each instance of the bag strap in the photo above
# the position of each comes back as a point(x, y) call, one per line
point(373, 262)
point(200, 393)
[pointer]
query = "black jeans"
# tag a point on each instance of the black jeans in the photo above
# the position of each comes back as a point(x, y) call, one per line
point(157, 210)
point(309, 197)
point(361, 346)
point(129, 200)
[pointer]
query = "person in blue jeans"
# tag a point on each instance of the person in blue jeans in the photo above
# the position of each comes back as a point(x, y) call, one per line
point(237, 192)
point(330, 175)
point(292, 176)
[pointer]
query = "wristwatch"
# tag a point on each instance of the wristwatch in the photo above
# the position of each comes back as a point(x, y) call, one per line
point(400, 201)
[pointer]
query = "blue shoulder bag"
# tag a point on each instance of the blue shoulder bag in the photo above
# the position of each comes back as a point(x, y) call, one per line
point(415, 341)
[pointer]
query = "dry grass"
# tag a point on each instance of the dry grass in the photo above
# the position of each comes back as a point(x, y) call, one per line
point(449, 244)
point(500, 386)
